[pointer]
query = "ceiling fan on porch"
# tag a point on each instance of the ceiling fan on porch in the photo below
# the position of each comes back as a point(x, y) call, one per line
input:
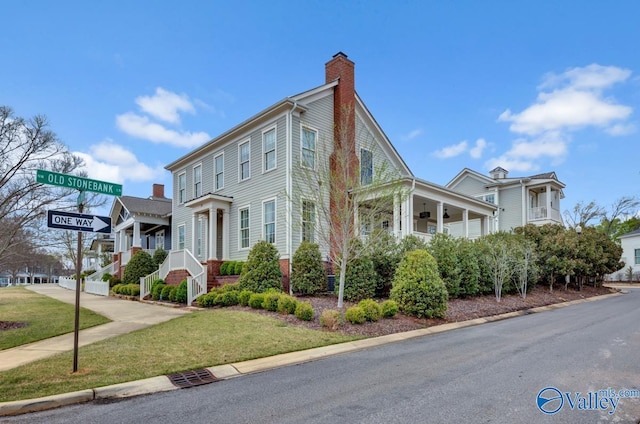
point(425, 214)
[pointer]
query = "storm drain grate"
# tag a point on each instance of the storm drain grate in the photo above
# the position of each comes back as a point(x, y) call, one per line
point(192, 378)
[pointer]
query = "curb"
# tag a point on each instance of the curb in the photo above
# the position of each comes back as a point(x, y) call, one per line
point(224, 372)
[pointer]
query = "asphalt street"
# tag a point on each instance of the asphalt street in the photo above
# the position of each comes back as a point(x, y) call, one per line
point(491, 373)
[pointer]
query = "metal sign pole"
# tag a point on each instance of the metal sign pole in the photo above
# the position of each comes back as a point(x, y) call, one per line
point(78, 287)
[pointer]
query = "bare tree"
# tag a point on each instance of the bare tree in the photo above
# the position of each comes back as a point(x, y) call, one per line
point(27, 145)
point(621, 210)
point(350, 198)
point(582, 214)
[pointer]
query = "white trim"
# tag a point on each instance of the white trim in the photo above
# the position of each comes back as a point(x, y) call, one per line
point(181, 201)
point(248, 143)
point(195, 193)
point(275, 221)
point(240, 209)
point(273, 128)
point(215, 172)
point(304, 127)
point(184, 232)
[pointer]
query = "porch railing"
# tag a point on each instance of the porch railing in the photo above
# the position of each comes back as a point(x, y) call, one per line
point(542, 212)
point(179, 260)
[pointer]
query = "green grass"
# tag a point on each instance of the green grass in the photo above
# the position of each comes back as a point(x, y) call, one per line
point(46, 317)
point(201, 339)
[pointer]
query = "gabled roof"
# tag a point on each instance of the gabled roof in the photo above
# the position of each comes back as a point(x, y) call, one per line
point(160, 207)
point(471, 172)
point(502, 181)
point(631, 234)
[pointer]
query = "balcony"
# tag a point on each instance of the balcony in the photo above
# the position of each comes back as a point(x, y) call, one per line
point(542, 214)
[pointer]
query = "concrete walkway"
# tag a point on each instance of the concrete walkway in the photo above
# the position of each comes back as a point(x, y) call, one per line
point(126, 316)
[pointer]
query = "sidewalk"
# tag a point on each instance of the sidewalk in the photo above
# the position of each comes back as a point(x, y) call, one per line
point(126, 316)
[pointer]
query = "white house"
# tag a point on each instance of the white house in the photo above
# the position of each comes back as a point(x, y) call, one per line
point(236, 189)
point(519, 201)
point(630, 243)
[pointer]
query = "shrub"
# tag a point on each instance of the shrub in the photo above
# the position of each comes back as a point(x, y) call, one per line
point(372, 309)
point(172, 293)
point(331, 319)
point(166, 290)
point(140, 265)
point(383, 250)
point(208, 300)
point(418, 288)
point(389, 308)
point(116, 289)
point(271, 301)
point(156, 290)
point(159, 256)
point(106, 277)
point(181, 292)
point(444, 249)
point(308, 275)
point(114, 280)
point(134, 289)
point(287, 304)
point(360, 280)
point(256, 300)
point(262, 269)
point(224, 268)
point(243, 297)
point(237, 268)
point(468, 261)
point(304, 311)
point(355, 315)
point(227, 298)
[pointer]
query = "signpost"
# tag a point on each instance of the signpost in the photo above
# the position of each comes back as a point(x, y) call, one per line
point(78, 222)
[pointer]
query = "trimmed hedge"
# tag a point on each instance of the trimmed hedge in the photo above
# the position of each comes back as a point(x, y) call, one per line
point(372, 309)
point(389, 308)
point(355, 315)
point(304, 311)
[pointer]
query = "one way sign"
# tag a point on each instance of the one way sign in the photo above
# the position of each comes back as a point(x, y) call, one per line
point(78, 222)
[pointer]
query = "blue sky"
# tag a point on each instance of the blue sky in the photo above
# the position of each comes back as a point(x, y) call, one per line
point(532, 86)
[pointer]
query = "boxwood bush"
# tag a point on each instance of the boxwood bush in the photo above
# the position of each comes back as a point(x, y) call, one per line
point(355, 315)
point(372, 309)
point(243, 297)
point(181, 292)
point(256, 300)
point(308, 275)
point(261, 271)
point(166, 290)
point(331, 319)
point(304, 311)
point(271, 301)
point(287, 304)
point(389, 308)
point(360, 280)
point(418, 288)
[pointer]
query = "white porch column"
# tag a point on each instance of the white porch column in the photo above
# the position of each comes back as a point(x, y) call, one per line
point(136, 235)
point(193, 233)
point(439, 219)
point(213, 233)
point(407, 224)
point(226, 228)
point(396, 217)
point(525, 205)
point(548, 198)
point(123, 241)
point(465, 222)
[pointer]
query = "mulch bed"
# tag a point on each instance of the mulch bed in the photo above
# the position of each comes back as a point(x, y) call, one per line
point(10, 325)
point(458, 310)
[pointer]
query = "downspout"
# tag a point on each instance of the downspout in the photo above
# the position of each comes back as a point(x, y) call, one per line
point(525, 210)
point(289, 188)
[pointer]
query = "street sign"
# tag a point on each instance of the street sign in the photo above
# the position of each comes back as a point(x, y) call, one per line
point(78, 222)
point(78, 183)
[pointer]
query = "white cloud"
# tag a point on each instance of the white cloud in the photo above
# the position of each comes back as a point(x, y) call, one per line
point(141, 127)
point(511, 164)
point(413, 134)
point(524, 154)
point(621, 129)
point(476, 152)
point(166, 105)
point(451, 151)
point(575, 101)
point(108, 161)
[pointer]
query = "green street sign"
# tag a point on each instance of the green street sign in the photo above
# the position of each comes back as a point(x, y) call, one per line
point(78, 183)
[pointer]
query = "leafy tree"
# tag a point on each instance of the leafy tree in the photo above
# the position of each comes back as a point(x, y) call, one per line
point(499, 257)
point(444, 249)
point(360, 279)
point(140, 265)
point(159, 256)
point(261, 271)
point(418, 288)
point(384, 252)
point(308, 275)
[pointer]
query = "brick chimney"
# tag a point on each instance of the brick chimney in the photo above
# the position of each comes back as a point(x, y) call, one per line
point(158, 191)
point(343, 161)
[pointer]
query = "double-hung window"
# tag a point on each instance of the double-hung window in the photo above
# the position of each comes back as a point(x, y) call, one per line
point(182, 188)
point(269, 149)
point(219, 171)
point(245, 161)
point(181, 237)
point(308, 154)
point(197, 181)
point(637, 256)
point(308, 220)
point(269, 220)
point(160, 239)
point(244, 228)
point(366, 167)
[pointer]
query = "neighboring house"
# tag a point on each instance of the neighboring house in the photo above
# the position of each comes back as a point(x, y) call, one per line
point(236, 189)
point(519, 200)
point(140, 223)
point(630, 243)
